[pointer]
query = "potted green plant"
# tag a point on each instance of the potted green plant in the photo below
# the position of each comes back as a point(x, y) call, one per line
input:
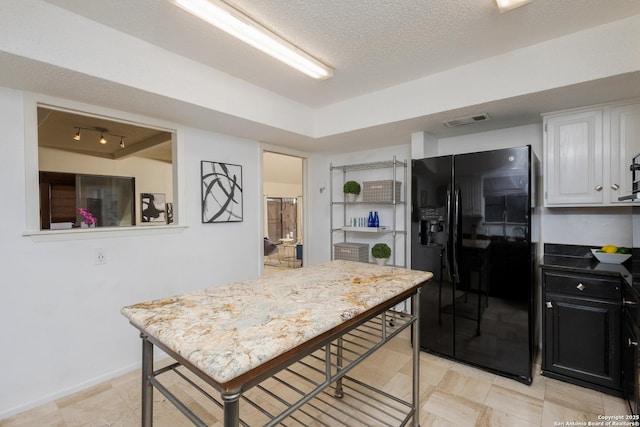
point(351, 190)
point(381, 252)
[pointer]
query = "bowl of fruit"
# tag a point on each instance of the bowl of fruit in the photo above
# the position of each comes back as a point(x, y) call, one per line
point(612, 254)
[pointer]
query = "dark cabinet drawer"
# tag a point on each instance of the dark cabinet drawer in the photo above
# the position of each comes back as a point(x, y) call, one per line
point(582, 285)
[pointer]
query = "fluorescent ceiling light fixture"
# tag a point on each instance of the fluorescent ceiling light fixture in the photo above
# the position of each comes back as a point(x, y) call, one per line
point(507, 5)
point(228, 19)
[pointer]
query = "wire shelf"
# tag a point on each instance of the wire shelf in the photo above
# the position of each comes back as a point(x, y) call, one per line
point(368, 166)
point(304, 393)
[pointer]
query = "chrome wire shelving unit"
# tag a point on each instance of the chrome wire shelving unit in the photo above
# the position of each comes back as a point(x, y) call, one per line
point(398, 208)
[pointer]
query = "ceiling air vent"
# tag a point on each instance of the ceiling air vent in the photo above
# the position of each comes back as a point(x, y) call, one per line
point(462, 121)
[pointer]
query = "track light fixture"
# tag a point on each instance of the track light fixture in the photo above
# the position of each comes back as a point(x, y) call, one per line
point(102, 131)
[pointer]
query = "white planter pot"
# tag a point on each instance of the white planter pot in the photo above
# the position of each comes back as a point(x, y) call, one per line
point(350, 197)
point(381, 261)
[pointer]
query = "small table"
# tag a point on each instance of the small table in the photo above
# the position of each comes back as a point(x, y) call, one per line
point(288, 252)
point(236, 336)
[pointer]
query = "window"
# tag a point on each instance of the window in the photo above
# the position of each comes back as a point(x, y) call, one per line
point(510, 209)
point(70, 168)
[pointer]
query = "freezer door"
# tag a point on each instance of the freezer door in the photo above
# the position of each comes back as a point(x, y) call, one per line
point(431, 189)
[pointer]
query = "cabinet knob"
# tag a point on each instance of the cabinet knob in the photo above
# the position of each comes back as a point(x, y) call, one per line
point(580, 287)
point(615, 187)
point(598, 187)
point(632, 343)
point(549, 305)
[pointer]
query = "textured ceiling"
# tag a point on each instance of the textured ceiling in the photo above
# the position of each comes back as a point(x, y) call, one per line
point(372, 44)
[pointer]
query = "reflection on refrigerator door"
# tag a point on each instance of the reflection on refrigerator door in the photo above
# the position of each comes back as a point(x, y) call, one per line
point(478, 308)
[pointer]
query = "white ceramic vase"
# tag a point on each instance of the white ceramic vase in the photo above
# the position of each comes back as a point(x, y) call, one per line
point(350, 197)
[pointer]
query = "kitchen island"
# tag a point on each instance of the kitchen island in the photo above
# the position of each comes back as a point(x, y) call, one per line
point(324, 319)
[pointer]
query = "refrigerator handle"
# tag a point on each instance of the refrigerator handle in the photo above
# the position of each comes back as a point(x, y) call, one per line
point(455, 237)
point(448, 259)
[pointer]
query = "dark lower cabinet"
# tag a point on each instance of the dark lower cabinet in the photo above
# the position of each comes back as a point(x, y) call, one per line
point(630, 352)
point(582, 323)
point(630, 366)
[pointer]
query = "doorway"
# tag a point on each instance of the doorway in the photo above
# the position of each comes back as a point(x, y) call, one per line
point(283, 221)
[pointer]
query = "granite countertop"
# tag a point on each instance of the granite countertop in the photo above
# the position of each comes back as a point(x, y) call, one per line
point(579, 259)
point(228, 330)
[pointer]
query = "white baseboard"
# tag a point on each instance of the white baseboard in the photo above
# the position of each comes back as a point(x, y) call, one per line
point(158, 354)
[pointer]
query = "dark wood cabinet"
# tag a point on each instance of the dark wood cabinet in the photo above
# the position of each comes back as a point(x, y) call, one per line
point(57, 198)
point(631, 366)
point(582, 325)
point(630, 353)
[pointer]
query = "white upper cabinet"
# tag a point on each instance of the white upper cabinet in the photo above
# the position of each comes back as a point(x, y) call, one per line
point(587, 155)
point(625, 144)
point(573, 159)
point(472, 202)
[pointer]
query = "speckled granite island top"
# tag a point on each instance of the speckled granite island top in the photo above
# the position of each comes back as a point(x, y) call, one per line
point(228, 330)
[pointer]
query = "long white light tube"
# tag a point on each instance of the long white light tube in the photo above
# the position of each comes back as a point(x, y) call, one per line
point(507, 5)
point(239, 25)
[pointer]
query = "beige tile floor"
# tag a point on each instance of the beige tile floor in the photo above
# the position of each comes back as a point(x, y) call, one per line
point(451, 394)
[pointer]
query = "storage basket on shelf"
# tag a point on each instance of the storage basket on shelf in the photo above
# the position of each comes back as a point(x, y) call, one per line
point(349, 251)
point(380, 191)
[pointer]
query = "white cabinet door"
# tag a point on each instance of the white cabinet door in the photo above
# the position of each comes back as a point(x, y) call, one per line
point(625, 144)
point(573, 165)
point(477, 205)
point(471, 189)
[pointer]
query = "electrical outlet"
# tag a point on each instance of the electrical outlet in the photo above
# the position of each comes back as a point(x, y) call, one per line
point(101, 256)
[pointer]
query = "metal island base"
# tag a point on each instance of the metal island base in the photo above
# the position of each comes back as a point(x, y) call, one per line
point(237, 371)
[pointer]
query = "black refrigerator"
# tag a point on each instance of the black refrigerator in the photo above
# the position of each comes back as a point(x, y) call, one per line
point(471, 223)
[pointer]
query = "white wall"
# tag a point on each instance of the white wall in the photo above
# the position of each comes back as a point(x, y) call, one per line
point(587, 226)
point(279, 189)
point(62, 328)
point(503, 138)
point(317, 213)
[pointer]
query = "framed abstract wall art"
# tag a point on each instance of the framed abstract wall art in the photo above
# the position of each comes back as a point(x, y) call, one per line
point(169, 213)
point(221, 191)
point(153, 208)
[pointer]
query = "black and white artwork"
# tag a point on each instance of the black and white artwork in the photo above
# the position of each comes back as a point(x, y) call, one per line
point(169, 209)
point(221, 192)
point(153, 208)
